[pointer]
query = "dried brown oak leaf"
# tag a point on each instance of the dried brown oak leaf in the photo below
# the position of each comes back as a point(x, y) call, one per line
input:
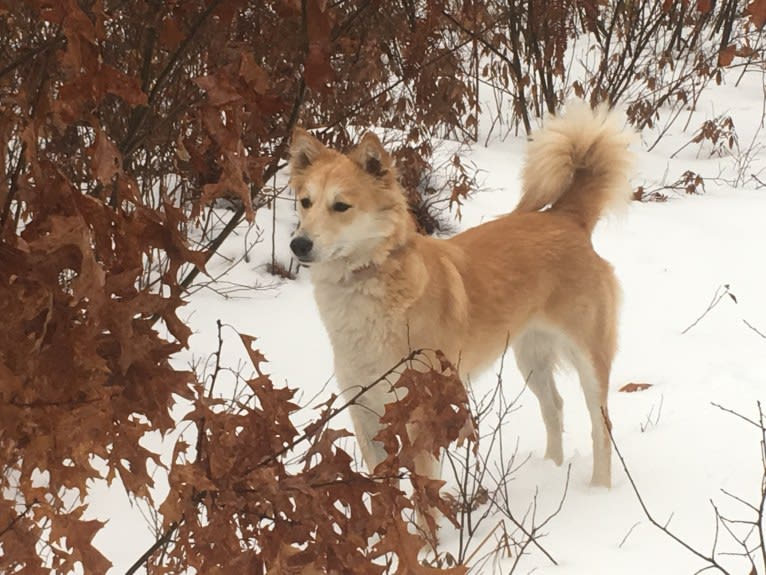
point(633, 387)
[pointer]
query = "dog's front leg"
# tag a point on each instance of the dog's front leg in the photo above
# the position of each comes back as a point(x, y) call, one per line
point(366, 422)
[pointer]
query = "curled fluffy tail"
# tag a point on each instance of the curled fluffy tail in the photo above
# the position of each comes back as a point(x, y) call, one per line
point(578, 164)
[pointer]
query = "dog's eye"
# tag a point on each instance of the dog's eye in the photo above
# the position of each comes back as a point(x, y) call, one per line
point(340, 207)
point(306, 203)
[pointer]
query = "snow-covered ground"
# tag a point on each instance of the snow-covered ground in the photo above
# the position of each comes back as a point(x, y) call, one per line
point(682, 451)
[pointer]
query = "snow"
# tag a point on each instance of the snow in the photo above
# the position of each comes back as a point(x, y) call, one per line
point(682, 451)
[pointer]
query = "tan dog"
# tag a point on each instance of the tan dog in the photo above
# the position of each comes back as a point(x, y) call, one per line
point(530, 278)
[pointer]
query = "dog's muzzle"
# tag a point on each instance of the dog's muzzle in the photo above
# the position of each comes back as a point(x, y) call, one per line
point(301, 247)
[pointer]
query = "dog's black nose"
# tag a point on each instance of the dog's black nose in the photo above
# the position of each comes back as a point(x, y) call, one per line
point(301, 246)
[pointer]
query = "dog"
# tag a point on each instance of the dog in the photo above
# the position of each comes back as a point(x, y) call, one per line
point(530, 278)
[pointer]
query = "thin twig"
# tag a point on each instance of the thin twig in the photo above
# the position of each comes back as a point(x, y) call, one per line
point(481, 543)
point(740, 500)
point(624, 539)
point(755, 329)
point(762, 507)
point(217, 368)
point(717, 297)
point(161, 542)
point(736, 414)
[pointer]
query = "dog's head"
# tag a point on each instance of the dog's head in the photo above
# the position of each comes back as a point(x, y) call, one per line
point(350, 205)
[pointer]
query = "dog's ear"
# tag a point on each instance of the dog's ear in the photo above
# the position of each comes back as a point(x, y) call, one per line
point(370, 155)
point(304, 149)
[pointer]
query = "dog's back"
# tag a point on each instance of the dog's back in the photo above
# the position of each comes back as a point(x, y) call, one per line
point(535, 267)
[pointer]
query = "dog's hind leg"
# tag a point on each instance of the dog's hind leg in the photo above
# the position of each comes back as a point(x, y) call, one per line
point(593, 369)
point(536, 357)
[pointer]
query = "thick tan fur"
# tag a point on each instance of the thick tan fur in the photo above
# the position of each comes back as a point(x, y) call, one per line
point(530, 278)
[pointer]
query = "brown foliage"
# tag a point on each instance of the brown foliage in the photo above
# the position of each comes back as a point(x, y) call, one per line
point(253, 501)
point(688, 183)
point(633, 387)
point(122, 120)
point(756, 10)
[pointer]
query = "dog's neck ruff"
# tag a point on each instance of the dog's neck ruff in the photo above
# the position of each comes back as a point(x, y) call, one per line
point(348, 274)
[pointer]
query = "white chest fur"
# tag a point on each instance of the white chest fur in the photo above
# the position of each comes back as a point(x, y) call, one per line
point(368, 338)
